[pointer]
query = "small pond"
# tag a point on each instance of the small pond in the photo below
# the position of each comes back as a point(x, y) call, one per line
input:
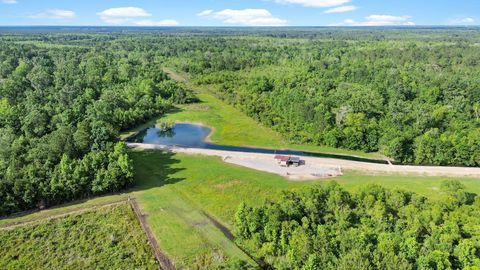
point(193, 135)
point(185, 135)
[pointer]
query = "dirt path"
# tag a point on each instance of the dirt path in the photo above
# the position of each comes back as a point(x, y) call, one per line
point(231, 237)
point(175, 76)
point(327, 162)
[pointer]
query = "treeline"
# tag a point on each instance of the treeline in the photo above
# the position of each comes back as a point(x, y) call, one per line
point(61, 110)
point(415, 100)
point(327, 227)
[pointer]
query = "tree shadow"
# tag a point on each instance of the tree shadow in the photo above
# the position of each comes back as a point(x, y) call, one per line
point(154, 169)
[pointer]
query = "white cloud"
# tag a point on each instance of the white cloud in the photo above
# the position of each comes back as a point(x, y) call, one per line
point(462, 21)
point(156, 23)
point(249, 17)
point(129, 15)
point(124, 12)
point(340, 9)
point(379, 20)
point(54, 14)
point(205, 13)
point(9, 1)
point(315, 3)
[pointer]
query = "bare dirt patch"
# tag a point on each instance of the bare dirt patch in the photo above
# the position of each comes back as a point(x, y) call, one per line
point(199, 107)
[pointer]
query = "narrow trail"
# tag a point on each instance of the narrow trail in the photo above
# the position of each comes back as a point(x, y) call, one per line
point(228, 234)
point(16, 224)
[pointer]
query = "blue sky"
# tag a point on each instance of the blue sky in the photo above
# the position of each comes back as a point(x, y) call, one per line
point(240, 12)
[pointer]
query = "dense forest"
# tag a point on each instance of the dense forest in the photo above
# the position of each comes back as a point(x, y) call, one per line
point(413, 97)
point(329, 228)
point(61, 109)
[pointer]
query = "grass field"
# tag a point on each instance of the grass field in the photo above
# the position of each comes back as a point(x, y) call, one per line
point(105, 238)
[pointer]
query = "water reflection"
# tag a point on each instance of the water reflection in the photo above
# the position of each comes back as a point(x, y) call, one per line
point(185, 135)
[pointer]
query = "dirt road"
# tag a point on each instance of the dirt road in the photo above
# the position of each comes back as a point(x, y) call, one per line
point(323, 162)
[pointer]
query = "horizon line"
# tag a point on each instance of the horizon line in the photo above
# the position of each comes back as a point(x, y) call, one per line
point(249, 26)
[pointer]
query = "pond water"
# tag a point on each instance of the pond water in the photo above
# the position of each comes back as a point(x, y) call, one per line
point(185, 135)
point(192, 135)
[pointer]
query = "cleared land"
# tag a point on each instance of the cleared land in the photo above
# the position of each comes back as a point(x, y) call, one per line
point(106, 238)
point(306, 171)
point(232, 127)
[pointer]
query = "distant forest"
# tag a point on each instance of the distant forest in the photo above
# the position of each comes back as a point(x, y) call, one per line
point(65, 94)
point(413, 95)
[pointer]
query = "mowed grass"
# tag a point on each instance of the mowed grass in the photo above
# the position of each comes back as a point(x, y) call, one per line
point(209, 184)
point(232, 127)
point(179, 192)
point(217, 188)
point(105, 238)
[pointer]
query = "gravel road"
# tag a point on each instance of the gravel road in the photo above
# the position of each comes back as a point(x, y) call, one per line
point(260, 162)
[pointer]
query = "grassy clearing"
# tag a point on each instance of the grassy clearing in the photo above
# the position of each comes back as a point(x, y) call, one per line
point(428, 186)
point(106, 238)
point(207, 183)
point(232, 127)
point(174, 215)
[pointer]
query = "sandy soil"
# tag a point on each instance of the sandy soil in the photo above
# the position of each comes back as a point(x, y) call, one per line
point(314, 165)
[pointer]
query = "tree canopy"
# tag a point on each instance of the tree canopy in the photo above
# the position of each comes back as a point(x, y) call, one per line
point(61, 110)
point(327, 227)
